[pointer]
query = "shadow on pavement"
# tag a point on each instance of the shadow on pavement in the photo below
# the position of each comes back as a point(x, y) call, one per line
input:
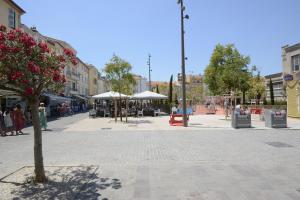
point(66, 184)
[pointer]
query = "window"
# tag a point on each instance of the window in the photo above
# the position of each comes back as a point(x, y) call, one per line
point(296, 62)
point(11, 18)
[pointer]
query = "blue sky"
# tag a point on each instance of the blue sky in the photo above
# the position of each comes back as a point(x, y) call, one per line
point(134, 28)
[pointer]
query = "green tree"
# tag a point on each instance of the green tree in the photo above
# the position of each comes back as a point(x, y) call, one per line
point(171, 90)
point(118, 73)
point(257, 87)
point(29, 68)
point(227, 71)
point(271, 92)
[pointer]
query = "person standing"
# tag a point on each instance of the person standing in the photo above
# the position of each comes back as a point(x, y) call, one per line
point(226, 108)
point(42, 116)
point(19, 119)
point(8, 122)
point(2, 126)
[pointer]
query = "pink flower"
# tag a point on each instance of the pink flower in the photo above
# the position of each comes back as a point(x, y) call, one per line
point(28, 91)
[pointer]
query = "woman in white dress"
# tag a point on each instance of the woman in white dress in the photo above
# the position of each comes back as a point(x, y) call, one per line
point(7, 118)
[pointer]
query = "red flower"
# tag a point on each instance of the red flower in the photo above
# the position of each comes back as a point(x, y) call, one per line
point(63, 78)
point(28, 91)
point(26, 82)
point(61, 59)
point(15, 50)
point(74, 61)
point(68, 52)
point(16, 75)
point(32, 67)
point(44, 47)
point(2, 36)
point(56, 76)
point(3, 28)
point(27, 40)
point(3, 47)
point(11, 35)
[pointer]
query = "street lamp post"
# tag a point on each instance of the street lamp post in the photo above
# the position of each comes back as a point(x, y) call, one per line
point(149, 65)
point(182, 8)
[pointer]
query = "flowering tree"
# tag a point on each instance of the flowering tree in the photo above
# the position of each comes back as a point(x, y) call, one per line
point(30, 68)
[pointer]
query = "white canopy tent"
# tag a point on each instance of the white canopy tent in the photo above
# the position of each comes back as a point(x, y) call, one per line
point(147, 95)
point(110, 95)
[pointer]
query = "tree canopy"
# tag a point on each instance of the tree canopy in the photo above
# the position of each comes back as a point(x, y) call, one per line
point(28, 68)
point(118, 73)
point(227, 71)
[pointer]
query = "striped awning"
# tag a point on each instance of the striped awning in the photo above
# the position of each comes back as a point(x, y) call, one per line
point(7, 93)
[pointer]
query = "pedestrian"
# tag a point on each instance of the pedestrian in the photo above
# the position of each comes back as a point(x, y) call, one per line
point(42, 116)
point(226, 108)
point(2, 126)
point(19, 119)
point(8, 122)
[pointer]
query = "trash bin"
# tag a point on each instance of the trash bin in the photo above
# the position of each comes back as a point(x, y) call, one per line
point(241, 119)
point(262, 115)
point(275, 118)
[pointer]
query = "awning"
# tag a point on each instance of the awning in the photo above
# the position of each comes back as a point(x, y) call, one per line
point(110, 95)
point(7, 93)
point(80, 97)
point(147, 95)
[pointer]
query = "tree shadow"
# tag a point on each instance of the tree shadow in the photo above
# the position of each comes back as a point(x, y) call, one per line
point(71, 183)
point(139, 122)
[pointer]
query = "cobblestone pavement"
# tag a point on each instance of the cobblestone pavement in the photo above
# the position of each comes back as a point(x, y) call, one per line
point(198, 164)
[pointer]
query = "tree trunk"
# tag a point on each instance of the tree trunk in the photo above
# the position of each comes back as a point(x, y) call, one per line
point(38, 150)
point(126, 110)
point(116, 110)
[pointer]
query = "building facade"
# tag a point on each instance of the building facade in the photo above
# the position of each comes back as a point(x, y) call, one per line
point(83, 83)
point(10, 14)
point(71, 70)
point(141, 84)
point(291, 76)
point(93, 80)
point(278, 87)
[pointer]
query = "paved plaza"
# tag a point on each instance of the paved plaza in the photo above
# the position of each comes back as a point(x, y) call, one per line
point(151, 160)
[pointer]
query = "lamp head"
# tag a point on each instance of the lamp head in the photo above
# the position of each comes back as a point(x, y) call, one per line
point(187, 17)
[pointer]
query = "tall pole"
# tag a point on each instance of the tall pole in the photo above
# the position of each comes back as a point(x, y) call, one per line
point(182, 8)
point(149, 65)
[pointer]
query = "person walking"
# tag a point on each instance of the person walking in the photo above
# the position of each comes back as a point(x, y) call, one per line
point(8, 122)
point(19, 119)
point(43, 116)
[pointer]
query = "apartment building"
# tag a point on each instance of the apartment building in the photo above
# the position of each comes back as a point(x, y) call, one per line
point(291, 76)
point(278, 87)
point(10, 14)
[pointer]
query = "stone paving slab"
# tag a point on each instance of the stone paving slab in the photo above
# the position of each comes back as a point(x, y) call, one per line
point(155, 181)
point(162, 123)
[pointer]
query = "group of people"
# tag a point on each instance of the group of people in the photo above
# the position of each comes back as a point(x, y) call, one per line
point(13, 120)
